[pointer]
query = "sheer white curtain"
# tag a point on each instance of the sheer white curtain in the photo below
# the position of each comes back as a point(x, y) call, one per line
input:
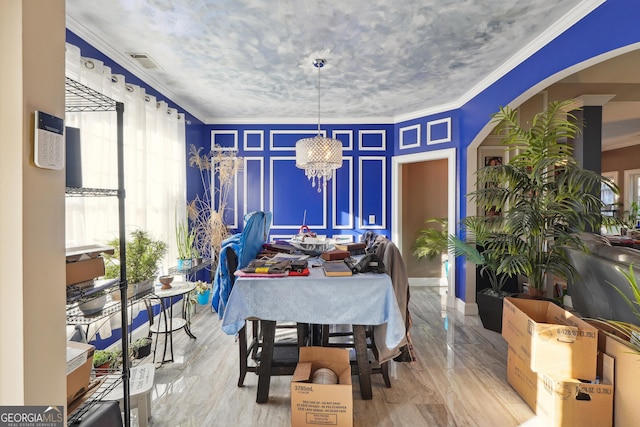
point(154, 157)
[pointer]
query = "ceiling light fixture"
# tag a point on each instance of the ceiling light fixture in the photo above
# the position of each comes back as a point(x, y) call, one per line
point(319, 156)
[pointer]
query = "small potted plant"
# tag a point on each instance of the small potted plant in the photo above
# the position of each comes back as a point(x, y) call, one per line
point(104, 361)
point(185, 240)
point(203, 291)
point(141, 347)
point(143, 255)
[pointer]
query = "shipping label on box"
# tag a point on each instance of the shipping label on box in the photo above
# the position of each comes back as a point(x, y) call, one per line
point(79, 363)
point(315, 404)
point(550, 339)
point(570, 402)
point(564, 402)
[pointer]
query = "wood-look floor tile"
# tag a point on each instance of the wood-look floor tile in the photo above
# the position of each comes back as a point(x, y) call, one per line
point(458, 380)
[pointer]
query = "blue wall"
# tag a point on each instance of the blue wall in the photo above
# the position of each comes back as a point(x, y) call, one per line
point(271, 182)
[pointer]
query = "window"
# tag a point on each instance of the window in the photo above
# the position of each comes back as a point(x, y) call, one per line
point(631, 187)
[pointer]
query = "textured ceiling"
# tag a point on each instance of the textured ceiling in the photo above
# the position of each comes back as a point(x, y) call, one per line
point(229, 60)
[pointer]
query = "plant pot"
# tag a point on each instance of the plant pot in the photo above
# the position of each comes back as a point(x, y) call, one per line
point(203, 298)
point(144, 350)
point(490, 309)
point(184, 264)
point(93, 306)
point(102, 369)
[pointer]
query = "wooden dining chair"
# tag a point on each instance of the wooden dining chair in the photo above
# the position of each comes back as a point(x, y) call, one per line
point(285, 350)
point(344, 338)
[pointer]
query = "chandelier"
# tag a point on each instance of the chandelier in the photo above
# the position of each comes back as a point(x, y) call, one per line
point(319, 156)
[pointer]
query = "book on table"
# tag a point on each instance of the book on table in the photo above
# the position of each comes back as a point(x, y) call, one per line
point(336, 268)
point(352, 248)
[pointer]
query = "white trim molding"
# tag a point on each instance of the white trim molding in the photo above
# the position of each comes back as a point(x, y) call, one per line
point(304, 133)
point(407, 129)
point(383, 191)
point(260, 133)
point(246, 161)
point(383, 142)
point(349, 133)
point(432, 123)
point(334, 192)
point(216, 132)
point(322, 226)
point(396, 206)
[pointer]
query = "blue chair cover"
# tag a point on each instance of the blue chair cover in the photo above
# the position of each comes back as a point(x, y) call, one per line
point(246, 246)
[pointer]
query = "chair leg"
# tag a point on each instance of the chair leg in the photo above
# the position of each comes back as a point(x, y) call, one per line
point(303, 334)
point(384, 368)
point(325, 335)
point(255, 334)
point(266, 359)
point(243, 354)
point(364, 372)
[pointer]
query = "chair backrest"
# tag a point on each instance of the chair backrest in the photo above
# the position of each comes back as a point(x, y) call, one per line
point(253, 236)
point(236, 252)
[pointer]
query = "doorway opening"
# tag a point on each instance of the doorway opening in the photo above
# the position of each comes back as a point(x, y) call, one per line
point(423, 185)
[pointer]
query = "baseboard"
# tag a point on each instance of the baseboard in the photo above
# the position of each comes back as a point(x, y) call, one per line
point(466, 308)
point(427, 281)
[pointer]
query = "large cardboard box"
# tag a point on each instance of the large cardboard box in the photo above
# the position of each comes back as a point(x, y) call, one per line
point(626, 409)
point(79, 362)
point(550, 339)
point(81, 271)
point(564, 402)
point(322, 404)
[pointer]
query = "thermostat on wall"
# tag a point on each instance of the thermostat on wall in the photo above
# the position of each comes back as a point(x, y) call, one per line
point(48, 150)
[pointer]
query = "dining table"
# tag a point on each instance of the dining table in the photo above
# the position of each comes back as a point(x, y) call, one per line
point(360, 300)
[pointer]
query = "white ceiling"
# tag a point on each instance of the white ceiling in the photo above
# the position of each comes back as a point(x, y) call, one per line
point(251, 60)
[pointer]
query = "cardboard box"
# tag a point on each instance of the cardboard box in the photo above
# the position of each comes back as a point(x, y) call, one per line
point(87, 251)
point(550, 339)
point(564, 402)
point(81, 271)
point(626, 410)
point(322, 404)
point(79, 363)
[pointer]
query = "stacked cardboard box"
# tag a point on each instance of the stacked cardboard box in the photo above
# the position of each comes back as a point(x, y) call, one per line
point(553, 364)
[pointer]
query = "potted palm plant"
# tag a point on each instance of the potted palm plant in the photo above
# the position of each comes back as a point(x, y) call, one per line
point(489, 300)
point(542, 196)
point(432, 242)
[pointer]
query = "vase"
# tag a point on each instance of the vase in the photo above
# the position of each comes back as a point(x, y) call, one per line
point(203, 298)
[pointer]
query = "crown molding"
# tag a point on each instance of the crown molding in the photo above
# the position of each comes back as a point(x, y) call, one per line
point(128, 64)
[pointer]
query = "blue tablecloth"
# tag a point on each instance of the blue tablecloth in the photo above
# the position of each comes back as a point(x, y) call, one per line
point(361, 299)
